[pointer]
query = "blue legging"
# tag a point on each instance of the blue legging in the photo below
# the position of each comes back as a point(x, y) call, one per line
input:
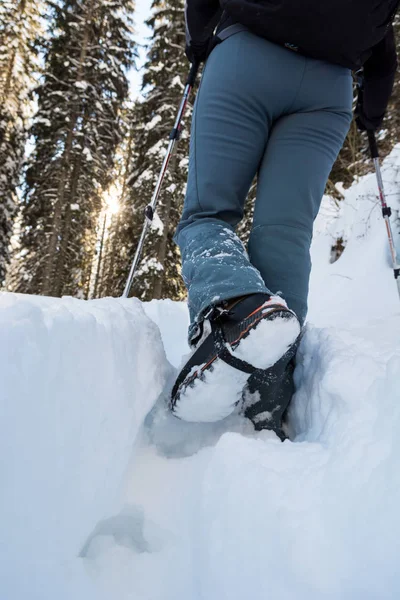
point(260, 109)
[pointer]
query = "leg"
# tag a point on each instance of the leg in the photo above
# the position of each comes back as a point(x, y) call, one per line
point(233, 114)
point(301, 151)
point(299, 157)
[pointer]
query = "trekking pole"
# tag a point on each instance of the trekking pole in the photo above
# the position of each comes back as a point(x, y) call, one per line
point(386, 210)
point(150, 209)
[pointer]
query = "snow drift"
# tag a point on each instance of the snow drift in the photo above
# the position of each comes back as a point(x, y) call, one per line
point(77, 380)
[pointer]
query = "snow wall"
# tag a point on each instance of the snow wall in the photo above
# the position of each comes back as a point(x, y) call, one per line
point(77, 380)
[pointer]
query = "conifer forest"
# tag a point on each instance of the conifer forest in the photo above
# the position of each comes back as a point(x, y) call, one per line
point(81, 151)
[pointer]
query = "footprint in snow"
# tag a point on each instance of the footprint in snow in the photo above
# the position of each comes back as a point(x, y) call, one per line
point(128, 529)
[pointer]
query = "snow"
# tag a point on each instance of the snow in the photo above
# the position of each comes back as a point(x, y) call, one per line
point(81, 85)
point(43, 121)
point(87, 154)
point(68, 418)
point(157, 225)
point(363, 277)
point(106, 495)
point(177, 82)
point(156, 120)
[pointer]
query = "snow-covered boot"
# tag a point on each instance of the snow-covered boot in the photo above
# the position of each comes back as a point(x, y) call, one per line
point(245, 335)
point(268, 393)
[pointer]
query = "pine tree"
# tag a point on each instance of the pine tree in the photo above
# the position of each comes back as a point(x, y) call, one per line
point(20, 24)
point(164, 81)
point(114, 255)
point(77, 129)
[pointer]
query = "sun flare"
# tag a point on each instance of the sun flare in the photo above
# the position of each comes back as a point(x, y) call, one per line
point(112, 200)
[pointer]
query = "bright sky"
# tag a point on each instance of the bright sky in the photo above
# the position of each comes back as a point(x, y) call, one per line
point(141, 15)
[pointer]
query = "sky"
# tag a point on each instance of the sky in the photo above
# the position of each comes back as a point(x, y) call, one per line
point(142, 32)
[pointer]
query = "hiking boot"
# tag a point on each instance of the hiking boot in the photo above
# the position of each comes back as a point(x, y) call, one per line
point(242, 336)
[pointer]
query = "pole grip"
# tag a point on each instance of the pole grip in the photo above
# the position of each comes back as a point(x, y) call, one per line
point(193, 74)
point(373, 145)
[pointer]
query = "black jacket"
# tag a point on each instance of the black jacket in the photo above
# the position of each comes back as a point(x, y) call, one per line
point(379, 68)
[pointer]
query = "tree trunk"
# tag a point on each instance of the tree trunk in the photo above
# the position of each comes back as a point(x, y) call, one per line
point(51, 281)
point(162, 252)
point(11, 65)
point(61, 262)
point(98, 270)
point(115, 244)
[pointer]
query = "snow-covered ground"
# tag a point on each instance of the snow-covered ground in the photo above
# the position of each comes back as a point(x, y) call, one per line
point(105, 496)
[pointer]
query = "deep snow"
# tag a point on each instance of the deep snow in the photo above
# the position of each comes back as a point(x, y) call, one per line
point(105, 495)
point(71, 378)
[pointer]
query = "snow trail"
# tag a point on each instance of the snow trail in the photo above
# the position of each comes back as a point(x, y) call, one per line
point(243, 515)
